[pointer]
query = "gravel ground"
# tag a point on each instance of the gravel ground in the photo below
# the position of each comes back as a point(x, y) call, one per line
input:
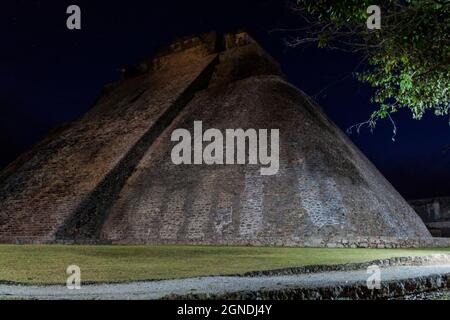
point(214, 285)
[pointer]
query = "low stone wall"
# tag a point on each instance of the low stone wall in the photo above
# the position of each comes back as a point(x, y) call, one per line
point(433, 259)
point(388, 290)
point(350, 242)
point(376, 242)
point(383, 242)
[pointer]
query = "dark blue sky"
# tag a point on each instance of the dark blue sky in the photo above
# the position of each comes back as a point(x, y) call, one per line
point(50, 75)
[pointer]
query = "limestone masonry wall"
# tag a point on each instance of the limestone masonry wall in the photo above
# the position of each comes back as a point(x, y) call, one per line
point(72, 172)
point(109, 178)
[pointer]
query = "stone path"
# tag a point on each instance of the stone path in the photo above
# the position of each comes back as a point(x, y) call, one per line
point(215, 285)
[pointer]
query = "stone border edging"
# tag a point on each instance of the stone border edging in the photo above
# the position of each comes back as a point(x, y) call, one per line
point(388, 262)
point(391, 289)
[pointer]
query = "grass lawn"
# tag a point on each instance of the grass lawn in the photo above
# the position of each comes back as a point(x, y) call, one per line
point(46, 264)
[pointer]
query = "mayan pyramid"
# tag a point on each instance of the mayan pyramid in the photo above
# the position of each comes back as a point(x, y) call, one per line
point(108, 177)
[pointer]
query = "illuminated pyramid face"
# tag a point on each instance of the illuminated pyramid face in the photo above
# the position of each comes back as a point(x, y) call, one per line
point(153, 162)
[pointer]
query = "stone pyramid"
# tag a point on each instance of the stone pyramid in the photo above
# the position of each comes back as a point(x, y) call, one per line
point(109, 177)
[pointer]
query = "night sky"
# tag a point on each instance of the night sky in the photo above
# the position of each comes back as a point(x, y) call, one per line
point(50, 75)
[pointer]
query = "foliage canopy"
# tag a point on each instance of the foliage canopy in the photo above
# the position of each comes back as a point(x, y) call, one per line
point(408, 58)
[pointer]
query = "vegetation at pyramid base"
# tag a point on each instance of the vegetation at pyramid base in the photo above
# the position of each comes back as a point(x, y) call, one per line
point(407, 60)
